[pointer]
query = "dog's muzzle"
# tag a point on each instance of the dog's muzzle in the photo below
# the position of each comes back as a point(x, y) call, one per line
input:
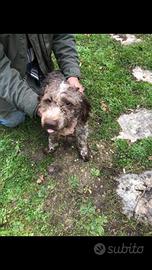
point(51, 127)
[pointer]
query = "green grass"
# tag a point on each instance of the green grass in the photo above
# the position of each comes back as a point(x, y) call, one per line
point(61, 207)
point(133, 156)
point(95, 172)
point(74, 181)
point(90, 222)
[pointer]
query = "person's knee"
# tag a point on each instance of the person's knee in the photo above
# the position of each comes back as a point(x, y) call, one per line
point(14, 119)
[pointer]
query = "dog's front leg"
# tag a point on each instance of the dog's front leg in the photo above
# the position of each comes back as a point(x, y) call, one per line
point(53, 144)
point(82, 144)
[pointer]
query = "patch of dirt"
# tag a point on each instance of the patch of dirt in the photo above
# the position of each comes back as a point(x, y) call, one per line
point(54, 170)
point(142, 74)
point(125, 39)
point(35, 155)
point(66, 157)
point(136, 125)
point(63, 202)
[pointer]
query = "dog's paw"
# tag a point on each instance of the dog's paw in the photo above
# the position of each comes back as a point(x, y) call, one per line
point(85, 154)
point(47, 151)
point(52, 150)
point(52, 147)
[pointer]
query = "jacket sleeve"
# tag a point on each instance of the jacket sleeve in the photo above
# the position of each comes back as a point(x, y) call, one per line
point(14, 89)
point(64, 48)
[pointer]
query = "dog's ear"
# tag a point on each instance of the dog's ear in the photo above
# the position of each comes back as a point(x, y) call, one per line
point(85, 109)
point(41, 94)
point(40, 97)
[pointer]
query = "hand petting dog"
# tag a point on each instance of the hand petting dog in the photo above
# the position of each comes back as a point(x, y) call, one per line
point(74, 82)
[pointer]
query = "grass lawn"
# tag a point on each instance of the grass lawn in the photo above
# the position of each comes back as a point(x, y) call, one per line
point(79, 198)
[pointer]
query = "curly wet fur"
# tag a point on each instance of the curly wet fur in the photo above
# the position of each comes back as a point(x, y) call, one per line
point(64, 111)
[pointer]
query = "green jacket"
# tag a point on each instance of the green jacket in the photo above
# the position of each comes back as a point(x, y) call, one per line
point(13, 63)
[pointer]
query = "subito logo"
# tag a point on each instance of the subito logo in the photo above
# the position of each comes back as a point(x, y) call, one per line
point(99, 249)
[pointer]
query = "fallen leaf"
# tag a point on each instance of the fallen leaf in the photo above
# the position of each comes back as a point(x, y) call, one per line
point(104, 106)
point(40, 179)
point(124, 170)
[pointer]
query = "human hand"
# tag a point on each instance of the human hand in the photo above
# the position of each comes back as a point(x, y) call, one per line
point(74, 82)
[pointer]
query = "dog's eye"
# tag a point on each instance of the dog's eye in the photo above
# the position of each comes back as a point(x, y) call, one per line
point(48, 100)
point(67, 102)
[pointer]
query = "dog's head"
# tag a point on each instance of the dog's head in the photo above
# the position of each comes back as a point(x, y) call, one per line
point(61, 106)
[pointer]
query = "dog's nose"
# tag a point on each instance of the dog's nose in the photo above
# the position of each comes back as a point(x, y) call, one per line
point(51, 124)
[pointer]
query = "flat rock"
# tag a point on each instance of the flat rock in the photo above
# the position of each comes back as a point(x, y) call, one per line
point(125, 39)
point(142, 74)
point(136, 125)
point(135, 191)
